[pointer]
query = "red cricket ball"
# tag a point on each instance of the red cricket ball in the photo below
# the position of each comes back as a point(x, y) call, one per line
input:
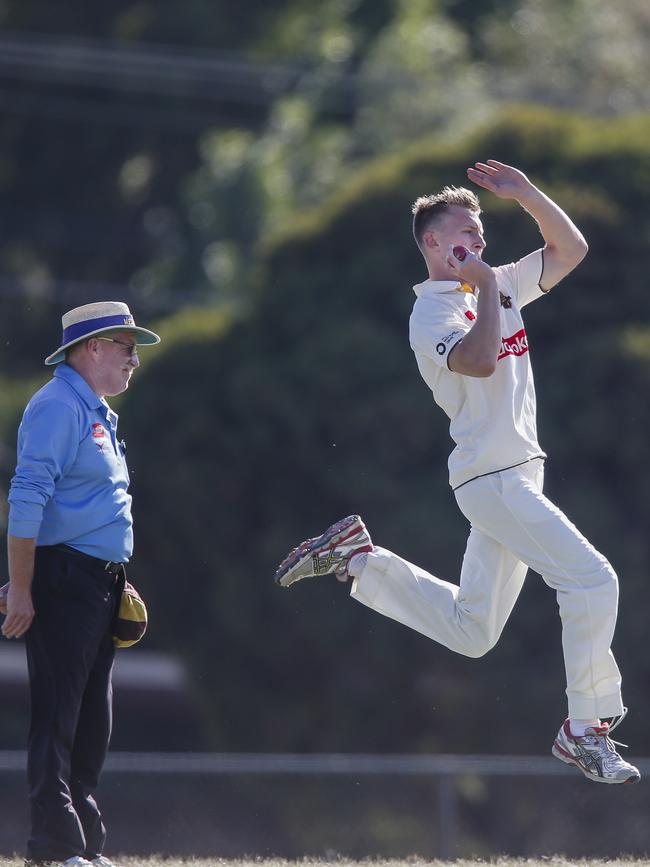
point(460, 252)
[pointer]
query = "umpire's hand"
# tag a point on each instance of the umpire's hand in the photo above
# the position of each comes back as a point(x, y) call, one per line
point(18, 609)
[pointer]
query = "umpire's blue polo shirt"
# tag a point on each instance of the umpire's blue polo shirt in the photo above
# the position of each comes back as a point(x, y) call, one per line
point(71, 478)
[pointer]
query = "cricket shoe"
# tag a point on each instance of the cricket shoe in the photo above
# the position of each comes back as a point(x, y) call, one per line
point(327, 554)
point(595, 754)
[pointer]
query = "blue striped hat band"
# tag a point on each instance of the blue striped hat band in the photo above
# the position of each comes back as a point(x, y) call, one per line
point(79, 329)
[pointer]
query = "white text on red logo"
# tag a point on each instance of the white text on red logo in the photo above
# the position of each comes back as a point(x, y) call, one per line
point(515, 345)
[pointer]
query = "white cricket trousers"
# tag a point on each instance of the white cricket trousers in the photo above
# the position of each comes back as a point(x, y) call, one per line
point(513, 527)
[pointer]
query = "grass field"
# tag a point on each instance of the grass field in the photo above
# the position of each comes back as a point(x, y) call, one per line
point(556, 861)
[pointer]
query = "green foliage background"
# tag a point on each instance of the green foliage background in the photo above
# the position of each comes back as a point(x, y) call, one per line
point(265, 232)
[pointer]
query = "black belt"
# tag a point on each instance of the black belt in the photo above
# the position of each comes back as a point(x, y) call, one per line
point(109, 566)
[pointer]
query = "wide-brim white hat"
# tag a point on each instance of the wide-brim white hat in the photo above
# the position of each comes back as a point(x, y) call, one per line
point(99, 318)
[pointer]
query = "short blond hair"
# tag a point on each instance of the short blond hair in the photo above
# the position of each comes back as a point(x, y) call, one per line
point(427, 209)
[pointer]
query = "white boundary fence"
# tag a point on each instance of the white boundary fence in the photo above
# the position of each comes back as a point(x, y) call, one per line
point(321, 763)
point(443, 769)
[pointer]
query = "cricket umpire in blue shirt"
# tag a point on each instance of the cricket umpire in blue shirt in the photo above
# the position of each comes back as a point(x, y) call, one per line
point(70, 535)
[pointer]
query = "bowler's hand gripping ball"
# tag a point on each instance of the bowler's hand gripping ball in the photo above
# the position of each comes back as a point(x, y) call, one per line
point(460, 252)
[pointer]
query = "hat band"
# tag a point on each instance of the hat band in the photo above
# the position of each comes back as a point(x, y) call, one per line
point(80, 329)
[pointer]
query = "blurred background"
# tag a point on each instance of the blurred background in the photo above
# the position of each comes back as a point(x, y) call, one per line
point(241, 175)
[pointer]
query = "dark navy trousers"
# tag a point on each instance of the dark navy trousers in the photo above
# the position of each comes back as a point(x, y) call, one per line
point(70, 656)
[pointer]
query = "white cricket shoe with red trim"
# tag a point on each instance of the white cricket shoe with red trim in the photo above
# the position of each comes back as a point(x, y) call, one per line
point(595, 754)
point(326, 554)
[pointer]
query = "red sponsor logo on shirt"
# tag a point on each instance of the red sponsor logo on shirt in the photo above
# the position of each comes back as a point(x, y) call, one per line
point(97, 430)
point(515, 345)
point(470, 315)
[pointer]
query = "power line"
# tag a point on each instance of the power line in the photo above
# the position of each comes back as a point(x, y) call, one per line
point(157, 87)
point(166, 70)
point(133, 67)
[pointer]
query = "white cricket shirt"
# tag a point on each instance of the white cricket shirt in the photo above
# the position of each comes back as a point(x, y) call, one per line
point(493, 418)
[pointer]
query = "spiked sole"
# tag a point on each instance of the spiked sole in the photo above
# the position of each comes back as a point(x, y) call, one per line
point(306, 548)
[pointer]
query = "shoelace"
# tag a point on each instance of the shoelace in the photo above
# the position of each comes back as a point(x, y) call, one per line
point(616, 721)
point(603, 732)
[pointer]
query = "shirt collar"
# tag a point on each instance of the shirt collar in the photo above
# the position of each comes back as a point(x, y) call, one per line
point(430, 288)
point(78, 383)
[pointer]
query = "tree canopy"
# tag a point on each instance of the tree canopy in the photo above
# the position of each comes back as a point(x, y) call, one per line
point(242, 176)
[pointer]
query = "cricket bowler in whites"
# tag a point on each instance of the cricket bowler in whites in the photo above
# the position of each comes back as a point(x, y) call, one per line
point(471, 348)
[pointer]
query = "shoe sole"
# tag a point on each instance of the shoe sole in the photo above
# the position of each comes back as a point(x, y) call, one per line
point(560, 754)
point(301, 553)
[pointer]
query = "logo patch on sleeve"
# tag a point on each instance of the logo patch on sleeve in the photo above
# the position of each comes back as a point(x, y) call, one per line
point(443, 346)
point(470, 315)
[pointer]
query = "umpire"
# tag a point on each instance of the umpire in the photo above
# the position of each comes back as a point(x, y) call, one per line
point(70, 534)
